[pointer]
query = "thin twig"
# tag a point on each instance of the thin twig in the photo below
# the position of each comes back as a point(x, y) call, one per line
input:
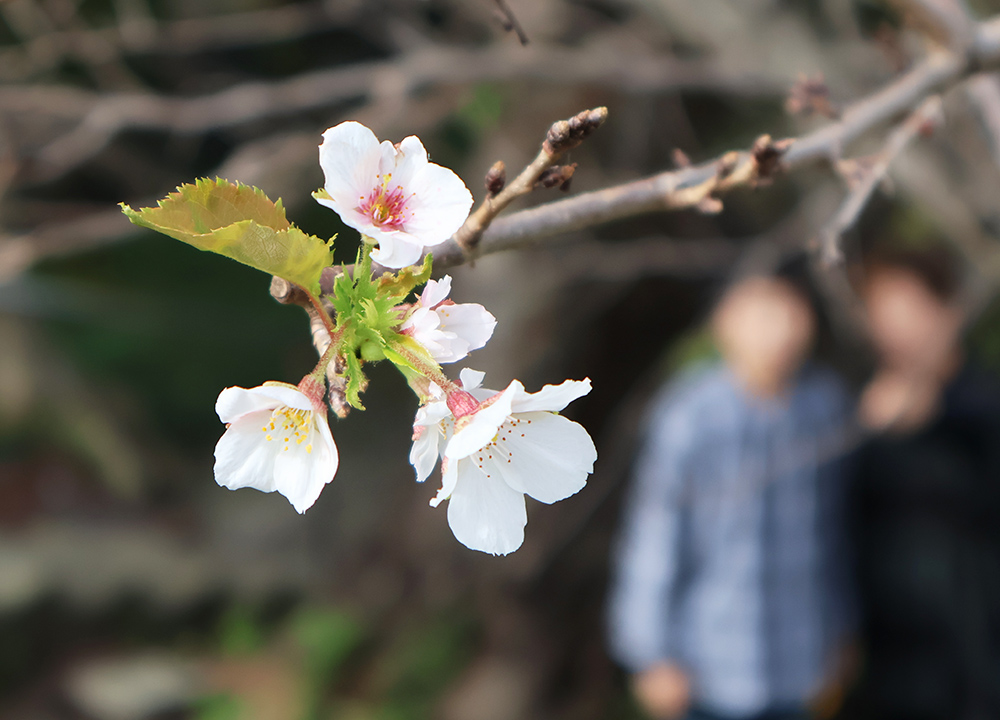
point(875, 171)
point(510, 22)
point(561, 137)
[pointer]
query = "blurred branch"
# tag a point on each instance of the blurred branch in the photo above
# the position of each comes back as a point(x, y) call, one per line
point(984, 92)
point(510, 22)
point(43, 51)
point(946, 22)
point(865, 174)
point(103, 117)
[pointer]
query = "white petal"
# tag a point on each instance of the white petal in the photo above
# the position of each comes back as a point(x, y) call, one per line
point(483, 425)
point(243, 457)
point(410, 160)
point(551, 398)
point(386, 159)
point(470, 321)
point(435, 291)
point(471, 379)
point(440, 204)
point(301, 475)
point(449, 347)
point(449, 479)
point(432, 413)
point(421, 320)
point(550, 462)
point(349, 157)
point(395, 250)
point(235, 402)
point(485, 514)
point(424, 451)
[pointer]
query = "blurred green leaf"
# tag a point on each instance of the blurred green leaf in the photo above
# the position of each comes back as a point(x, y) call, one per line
point(220, 707)
point(241, 223)
point(240, 632)
point(329, 638)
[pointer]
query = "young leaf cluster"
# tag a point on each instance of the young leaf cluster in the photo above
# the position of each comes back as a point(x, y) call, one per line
point(368, 312)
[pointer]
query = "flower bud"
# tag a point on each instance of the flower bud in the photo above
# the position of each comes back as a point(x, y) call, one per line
point(565, 135)
point(496, 178)
point(461, 403)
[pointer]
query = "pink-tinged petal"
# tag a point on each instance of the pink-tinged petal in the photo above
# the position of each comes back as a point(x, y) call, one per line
point(449, 479)
point(471, 379)
point(470, 321)
point(424, 451)
point(543, 455)
point(435, 291)
point(485, 514)
point(303, 470)
point(440, 203)
point(483, 425)
point(243, 458)
point(395, 250)
point(551, 398)
point(350, 215)
point(349, 157)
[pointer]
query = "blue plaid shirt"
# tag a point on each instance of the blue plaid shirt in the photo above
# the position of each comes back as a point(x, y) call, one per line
point(730, 562)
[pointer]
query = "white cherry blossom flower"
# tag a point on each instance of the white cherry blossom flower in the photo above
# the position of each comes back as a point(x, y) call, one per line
point(448, 330)
point(276, 439)
point(514, 445)
point(391, 193)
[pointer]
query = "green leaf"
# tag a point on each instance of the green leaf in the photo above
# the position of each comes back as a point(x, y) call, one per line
point(242, 223)
point(356, 381)
point(401, 284)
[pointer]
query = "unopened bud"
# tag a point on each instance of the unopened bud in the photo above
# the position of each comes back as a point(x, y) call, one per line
point(567, 134)
point(496, 178)
point(557, 176)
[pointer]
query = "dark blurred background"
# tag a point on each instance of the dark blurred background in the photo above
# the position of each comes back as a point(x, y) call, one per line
point(131, 586)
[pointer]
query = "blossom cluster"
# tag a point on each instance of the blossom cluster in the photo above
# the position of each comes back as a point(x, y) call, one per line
point(493, 448)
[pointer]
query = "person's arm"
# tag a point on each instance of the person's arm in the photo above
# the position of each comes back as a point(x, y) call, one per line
point(648, 563)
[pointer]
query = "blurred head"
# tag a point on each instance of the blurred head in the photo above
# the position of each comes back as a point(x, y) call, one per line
point(913, 312)
point(764, 327)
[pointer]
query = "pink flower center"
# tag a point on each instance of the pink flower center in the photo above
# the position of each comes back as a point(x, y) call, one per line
point(386, 208)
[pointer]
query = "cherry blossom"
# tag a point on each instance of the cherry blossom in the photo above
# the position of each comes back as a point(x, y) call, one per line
point(390, 193)
point(276, 439)
point(513, 445)
point(448, 330)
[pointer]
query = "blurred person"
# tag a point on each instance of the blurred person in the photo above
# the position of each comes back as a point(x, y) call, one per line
point(926, 503)
point(729, 600)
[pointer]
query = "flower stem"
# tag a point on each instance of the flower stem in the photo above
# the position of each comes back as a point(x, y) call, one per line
point(323, 314)
point(432, 373)
point(364, 268)
point(336, 341)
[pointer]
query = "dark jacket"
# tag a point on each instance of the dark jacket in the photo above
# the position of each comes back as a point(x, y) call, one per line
point(925, 511)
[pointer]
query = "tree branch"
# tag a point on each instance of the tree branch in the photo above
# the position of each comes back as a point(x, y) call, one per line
point(873, 171)
point(691, 187)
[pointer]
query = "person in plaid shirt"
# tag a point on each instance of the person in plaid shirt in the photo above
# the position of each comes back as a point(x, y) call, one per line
point(730, 598)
